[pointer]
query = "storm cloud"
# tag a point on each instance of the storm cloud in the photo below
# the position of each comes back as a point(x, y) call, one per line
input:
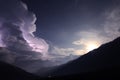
point(17, 25)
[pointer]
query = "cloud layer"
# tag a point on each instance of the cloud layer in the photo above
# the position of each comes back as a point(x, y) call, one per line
point(109, 30)
point(17, 25)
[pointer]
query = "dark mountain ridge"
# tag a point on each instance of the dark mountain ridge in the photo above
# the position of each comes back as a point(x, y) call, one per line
point(9, 72)
point(105, 57)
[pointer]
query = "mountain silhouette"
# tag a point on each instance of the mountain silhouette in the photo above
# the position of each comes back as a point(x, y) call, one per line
point(103, 61)
point(9, 72)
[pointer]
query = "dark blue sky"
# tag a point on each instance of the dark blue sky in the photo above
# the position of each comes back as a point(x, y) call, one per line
point(58, 20)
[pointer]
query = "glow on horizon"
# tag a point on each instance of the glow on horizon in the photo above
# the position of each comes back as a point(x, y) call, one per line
point(91, 46)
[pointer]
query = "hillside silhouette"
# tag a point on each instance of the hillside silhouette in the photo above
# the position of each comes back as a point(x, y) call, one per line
point(102, 61)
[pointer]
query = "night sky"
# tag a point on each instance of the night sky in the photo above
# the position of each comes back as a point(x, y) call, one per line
point(58, 21)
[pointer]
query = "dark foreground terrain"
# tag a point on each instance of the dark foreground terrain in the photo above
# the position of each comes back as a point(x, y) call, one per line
point(103, 74)
point(12, 73)
point(9, 72)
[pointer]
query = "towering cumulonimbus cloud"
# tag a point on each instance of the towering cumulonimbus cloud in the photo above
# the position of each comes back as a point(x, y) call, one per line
point(17, 25)
point(22, 48)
